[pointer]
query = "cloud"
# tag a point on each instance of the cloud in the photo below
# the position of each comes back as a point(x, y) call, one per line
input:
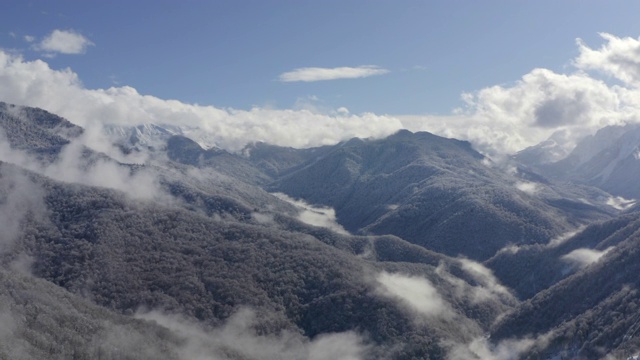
point(64, 42)
point(73, 165)
point(562, 238)
point(29, 38)
point(416, 293)
point(34, 83)
point(618, 57)
point(485, 288)
point(482, 349)
point(315, 215)
point(583, 257)
point(309, 74)
point(506, 118)
point(237, 338)
point(19, 197)
point(489, 288)
point(527, 187)
point(620, 203)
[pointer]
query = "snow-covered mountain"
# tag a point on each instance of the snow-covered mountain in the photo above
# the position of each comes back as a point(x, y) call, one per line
point(443, 241)
point(155, 136)
point(555, 148)
point(609, 159)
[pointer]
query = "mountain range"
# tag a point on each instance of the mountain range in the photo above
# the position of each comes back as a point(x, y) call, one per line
point(149, 242)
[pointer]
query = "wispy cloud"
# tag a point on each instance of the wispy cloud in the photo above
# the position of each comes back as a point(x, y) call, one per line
point(309, 74)
point(64, 42)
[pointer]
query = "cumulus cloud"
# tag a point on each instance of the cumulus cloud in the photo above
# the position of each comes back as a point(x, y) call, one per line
point(29, 38)
point(618, 57)
point(583, 257)
point(498, 120)
point(34, 83)
point(64, 42)
point(506, 118)
point(309, 74)
point(416, 293)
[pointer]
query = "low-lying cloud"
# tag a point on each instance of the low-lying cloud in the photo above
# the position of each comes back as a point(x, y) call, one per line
point(584, 256)
point(238, 337)
point(415, 293)
point(19, 197)
point(315, 215)
point(483, 349)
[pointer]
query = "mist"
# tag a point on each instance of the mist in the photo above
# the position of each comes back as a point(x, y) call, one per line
point(315, 215)
point(237, 339)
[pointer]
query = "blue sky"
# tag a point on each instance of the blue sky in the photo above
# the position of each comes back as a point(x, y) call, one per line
point(421, 55)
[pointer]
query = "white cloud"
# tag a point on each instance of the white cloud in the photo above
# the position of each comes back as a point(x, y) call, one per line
point(238, 335)
point(64, 42)
point(315, 215)
point(416, 293)
point(584, 257)
point(507, 118)
point(527, 187)
point(34, 83)
point(309, 74)
point(562, 238)
point(618, 57)
point(29, 38)
point(620, 203)
point(489, 288)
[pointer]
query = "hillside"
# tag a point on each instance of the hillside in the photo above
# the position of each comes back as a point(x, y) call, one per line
point(189, 251)
point(438, 193)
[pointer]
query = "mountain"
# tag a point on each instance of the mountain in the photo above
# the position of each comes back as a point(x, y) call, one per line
point(592, 313)
point(189, 242)
point(609, 160)
point(35, 130)
point(435, 192)
point(154, 136)
point(43, 321)
point(554, 149)
point(530, 269)
point(158, 247)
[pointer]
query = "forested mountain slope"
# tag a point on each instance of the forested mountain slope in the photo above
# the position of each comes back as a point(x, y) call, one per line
point(593, 312)
point(438, 193)
point(186, 250)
